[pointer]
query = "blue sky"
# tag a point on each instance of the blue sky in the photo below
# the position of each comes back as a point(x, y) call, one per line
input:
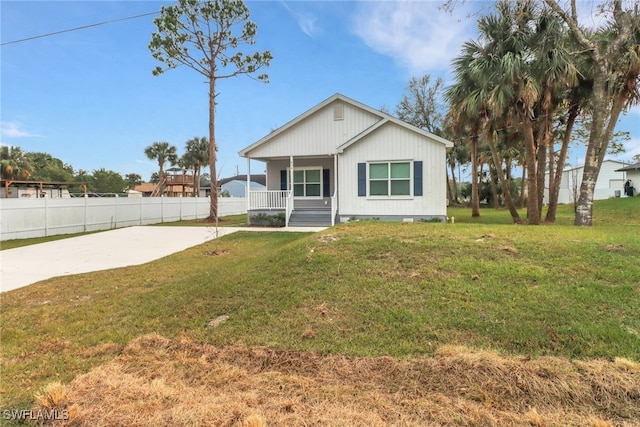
point(88, 97)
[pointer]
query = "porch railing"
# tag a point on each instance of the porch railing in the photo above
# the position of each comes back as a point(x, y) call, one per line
point(272, 199)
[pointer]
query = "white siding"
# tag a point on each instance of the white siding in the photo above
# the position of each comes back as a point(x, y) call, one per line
point(391, 143)
point(608, 182)
point(318, 133)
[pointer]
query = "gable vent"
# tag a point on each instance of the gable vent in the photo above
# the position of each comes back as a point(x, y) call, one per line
point(338, 112)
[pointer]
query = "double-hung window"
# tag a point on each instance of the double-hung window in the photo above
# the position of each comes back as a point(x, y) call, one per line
point(390, 179)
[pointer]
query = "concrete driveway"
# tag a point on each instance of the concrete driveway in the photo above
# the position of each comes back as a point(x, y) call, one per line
point(105, 250)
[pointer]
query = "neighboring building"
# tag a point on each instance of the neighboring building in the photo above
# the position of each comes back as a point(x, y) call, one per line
point(176, 183)
point(343, 160)
point(146, 188)
point(610, 182)
point(38, 189)
point(631, 178)
point(236, 186)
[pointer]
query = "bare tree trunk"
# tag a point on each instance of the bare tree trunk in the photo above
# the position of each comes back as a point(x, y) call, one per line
point(595, 150)
point(448, 184)
point(540, 168)
point(455, 185)
point(475, 193)
point(523, 187)
point(213, 208)
point(545, 142)
point(492, 183)
point(599, 139)
point(196, 180)
point(555, 179)
point(504, 183)
point(533, 214)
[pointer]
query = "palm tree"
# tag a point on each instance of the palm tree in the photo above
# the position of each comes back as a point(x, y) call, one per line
point(163, 153)
point(196, 157)
point(479, 95)
point(465, 119)
point(614, 64)
point(14, 164)
point(555, 68)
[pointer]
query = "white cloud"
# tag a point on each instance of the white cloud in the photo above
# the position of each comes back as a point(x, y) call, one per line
point(632, 148)
point(416, 34)
point(307, 21)
point(14, 130)
point(635, 110)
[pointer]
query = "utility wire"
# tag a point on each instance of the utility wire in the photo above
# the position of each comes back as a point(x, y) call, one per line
point(79, 28)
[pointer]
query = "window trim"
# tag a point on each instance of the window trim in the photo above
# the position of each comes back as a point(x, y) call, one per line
point(304, 169)
point(389, 180)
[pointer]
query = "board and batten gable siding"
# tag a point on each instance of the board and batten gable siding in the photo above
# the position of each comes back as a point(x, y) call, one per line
point(394, 143)
point(275, 168)
point(318, 134)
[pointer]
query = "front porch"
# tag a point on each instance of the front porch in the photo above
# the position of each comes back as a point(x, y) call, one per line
point(301, 190)
point(298, 212)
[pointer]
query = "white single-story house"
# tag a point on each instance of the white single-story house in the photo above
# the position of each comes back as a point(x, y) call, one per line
point(631, 178)
point(610, 182)
point(343, 160)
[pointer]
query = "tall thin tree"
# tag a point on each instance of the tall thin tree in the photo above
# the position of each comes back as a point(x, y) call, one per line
point(206, 36)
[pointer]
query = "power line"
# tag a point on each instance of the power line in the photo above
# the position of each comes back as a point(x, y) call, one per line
point(79, 28)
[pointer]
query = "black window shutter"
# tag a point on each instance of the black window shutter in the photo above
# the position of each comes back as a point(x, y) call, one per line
point(362, 179)
point(326, 183)
point(283, 180)
point(417, 178)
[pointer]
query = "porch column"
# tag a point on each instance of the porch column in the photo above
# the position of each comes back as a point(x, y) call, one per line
point(248, 184)
point(291, 172)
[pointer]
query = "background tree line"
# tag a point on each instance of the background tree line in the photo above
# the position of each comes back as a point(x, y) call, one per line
point(16, 164)
point(534, 81)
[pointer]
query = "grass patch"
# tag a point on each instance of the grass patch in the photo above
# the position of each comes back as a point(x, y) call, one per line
point(366, 289)
point(16, 243)
point(227, 221)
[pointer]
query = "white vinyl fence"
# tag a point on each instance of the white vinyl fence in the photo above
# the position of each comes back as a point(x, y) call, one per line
point(24, 218)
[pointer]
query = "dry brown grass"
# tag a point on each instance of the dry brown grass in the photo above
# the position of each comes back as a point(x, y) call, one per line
point(156, 381)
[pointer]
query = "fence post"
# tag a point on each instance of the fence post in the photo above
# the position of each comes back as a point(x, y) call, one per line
point(115, 217)
point(86, 202)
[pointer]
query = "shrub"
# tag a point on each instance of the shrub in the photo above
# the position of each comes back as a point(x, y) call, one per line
point(265, 220)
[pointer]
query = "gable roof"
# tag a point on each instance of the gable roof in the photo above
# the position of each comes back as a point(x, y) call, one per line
point(572, 168)
point(633, 167)
point(384, 119)
point(257, 178)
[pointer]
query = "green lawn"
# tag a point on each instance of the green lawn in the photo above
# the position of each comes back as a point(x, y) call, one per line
point(368, 288)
